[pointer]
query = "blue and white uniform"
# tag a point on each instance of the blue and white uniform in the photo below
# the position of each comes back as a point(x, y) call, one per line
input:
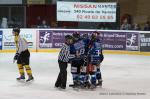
point(95, 58)
point(79, 50)
point(95, 51)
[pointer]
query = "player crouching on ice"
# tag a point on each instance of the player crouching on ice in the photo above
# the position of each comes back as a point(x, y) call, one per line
point(22, 55)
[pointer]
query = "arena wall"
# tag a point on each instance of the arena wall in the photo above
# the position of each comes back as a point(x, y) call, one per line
point(51, 40)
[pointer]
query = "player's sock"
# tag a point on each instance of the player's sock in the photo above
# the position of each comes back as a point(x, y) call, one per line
point(82, 80)
point(93, 81)
point(98, 74)
point(21, 69)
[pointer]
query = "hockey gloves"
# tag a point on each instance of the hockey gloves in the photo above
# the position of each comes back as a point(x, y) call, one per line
point(16, 57)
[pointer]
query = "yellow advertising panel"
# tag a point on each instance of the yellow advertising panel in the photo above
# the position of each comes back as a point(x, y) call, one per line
point(35, 1)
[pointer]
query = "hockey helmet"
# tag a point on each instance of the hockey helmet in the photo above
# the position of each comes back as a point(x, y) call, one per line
point(95, 35)
point(68, 39)
point(85, 36)
point(76, 35)
point(16, 29)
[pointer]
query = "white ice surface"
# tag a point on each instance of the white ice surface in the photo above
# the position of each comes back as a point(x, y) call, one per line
point(124, 76)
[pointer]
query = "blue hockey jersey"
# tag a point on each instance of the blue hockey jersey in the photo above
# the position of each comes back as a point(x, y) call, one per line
point(80, 46)
point(95, 51)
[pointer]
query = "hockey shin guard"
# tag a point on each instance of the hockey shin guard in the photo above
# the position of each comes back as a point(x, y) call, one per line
point(93, 79)
point(28, 70)
point(82, 78)
point(83, 74)
point(98, 74)
point(75, 77)
point(21, 69)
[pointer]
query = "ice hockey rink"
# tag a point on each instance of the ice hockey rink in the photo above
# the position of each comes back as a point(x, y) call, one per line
point(124, 77)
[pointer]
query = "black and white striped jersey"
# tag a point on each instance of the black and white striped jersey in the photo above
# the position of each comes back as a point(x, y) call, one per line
point(64, 54)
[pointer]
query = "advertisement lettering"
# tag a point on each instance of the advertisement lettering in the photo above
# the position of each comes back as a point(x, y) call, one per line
point(86, 11)
point(114, 40)
point(145, 42)
point(28, 34)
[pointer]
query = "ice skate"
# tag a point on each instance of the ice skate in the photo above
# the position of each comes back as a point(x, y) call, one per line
point(92, 86)
point(30, 79)
point(87, 84)
point(71, 85)
point(82, 86)
point(75, 84)
point(99, 83)
point(21, 78)
point(62, 87)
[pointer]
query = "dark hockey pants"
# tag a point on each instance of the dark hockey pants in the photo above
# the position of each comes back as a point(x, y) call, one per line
point(62, 77)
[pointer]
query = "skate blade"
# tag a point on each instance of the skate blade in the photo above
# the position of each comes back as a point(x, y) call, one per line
point(76, 89)
point(29, 81)
point(21, 80)
point(98, 86)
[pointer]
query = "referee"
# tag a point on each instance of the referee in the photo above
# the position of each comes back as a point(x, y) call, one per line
point(63, 59)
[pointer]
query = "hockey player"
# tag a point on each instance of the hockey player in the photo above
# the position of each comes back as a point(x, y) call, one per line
point(22, 55)
point(83, 70)
point(101, 57)
point(63, 59)
point(78, 48)
point(95, 58)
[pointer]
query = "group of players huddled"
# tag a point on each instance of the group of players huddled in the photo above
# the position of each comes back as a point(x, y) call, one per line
point(85, 57)
point(85, 66)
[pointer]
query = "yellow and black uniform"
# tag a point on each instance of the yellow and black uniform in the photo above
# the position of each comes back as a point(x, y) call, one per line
point(22, 56)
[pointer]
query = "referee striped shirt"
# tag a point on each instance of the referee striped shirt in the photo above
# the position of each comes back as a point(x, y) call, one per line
point(64, 54)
